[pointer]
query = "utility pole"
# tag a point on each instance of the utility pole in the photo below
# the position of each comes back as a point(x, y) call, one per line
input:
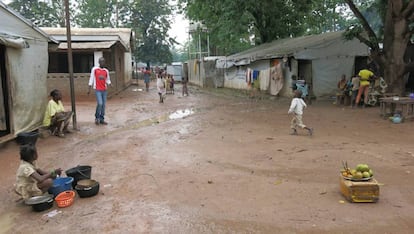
point(70, 65)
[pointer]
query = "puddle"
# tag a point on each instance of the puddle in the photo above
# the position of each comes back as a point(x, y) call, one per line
point(179, 114)
point(137, 90)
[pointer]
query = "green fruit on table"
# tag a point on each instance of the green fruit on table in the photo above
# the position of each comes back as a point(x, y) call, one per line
point(362, 167)
point(358, 175)
point(371, 172)
point(366, 174)
point(353, 171)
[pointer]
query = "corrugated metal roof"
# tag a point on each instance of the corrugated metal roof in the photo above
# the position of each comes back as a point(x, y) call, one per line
point(87, 45)
point(124, 35)
point(88, 38)
point(287, 46)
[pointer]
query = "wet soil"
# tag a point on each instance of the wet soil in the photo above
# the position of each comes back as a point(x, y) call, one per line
point(224, 163)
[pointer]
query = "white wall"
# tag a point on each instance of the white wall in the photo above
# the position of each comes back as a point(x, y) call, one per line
point(128, 67)
point(96, 56)
point(235, 77)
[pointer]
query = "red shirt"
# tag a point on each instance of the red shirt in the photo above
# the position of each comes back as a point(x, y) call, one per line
point(100, 79)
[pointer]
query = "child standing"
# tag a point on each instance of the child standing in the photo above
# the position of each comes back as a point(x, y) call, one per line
point(161, 87)
point(31, 180)
point(296, 108)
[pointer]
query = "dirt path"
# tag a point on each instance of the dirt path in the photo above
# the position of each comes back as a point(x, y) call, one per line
point(229, 167)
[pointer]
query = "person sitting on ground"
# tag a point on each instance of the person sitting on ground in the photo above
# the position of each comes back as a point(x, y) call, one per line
point(343, 90)
point(342, 84)
point(56, 118)
point(30, 180)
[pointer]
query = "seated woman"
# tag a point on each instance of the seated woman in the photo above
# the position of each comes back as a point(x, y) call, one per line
point(30, 180)
point(56, 119)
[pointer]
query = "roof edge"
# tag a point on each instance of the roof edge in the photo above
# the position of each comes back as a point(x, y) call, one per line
point(26, 21)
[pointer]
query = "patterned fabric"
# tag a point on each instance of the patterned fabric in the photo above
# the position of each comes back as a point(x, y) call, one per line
point(51, 109)
point(26, 185)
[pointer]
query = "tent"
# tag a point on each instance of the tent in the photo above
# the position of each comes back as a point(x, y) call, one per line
point(318, 59)
point(23, 71)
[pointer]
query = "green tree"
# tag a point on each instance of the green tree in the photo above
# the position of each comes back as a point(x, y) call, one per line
point(326, 16)
point(94, 13)
point(150, 19)
point(397, 18)
point(44, 14)
point(235, 25)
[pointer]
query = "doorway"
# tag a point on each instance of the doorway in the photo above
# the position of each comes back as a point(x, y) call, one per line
point(305, 73)
point(4, 95)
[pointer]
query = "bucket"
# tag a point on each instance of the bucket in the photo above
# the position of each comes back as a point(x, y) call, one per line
point(61, 184)
point(25, 138)
point(79, 173)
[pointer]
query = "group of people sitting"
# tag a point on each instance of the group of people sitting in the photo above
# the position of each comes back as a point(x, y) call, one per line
point(356, 87)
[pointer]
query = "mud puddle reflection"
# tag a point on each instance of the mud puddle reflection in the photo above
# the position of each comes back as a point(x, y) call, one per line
point(179, 114)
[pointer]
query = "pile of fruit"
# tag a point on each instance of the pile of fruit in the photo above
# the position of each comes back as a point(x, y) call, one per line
point(360, 172)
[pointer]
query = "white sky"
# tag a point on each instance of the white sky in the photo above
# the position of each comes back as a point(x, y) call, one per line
point(179, 29)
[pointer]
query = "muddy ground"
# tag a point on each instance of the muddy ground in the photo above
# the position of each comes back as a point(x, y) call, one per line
point(229, 167)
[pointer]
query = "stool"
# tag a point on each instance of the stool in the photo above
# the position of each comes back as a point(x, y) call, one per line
point(340, 99)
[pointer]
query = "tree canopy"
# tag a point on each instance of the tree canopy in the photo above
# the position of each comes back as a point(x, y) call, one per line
point(235, 25)
point(388, 46)
point(149, 19)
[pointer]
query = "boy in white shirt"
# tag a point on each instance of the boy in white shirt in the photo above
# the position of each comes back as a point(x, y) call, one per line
point(296, 108)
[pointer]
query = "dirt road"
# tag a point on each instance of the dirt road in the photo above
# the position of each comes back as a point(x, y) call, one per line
point(229, 166)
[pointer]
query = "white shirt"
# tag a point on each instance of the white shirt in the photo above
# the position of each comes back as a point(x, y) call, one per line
point(160, 85)
point(297, 105)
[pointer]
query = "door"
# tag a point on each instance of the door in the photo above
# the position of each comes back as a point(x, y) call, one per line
point(305, 73)
point(4, 95)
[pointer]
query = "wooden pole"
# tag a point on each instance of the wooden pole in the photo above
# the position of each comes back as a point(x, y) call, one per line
point(70, 64)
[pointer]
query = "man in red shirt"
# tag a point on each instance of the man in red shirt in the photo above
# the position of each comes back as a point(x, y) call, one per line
point(99, 80)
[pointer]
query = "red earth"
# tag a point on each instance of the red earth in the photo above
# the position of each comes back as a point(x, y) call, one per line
point(229, 166)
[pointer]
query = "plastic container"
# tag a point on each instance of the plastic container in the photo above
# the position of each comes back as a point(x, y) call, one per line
point(61, 184)
point(25, 138)
point(65, 199)
point(79, 173)
point(361, 191)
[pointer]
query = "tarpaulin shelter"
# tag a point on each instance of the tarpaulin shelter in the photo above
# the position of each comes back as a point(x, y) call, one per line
point(318, 59)
point(23, 71)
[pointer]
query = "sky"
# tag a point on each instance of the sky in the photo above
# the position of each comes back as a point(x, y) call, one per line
point(179, 29)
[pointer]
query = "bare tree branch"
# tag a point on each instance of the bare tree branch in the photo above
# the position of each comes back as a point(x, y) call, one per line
point(364, 22)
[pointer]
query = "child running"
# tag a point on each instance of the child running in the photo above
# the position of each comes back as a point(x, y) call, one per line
point(296, 108)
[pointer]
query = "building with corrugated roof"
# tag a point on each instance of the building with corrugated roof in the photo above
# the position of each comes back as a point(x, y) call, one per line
point(88, 45)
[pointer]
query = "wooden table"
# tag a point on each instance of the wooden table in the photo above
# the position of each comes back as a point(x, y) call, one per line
point(389, 106)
